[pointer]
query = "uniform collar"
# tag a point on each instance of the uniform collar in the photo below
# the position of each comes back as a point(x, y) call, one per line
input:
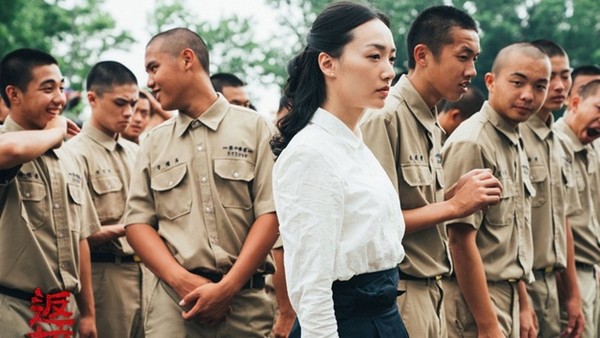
point(11, 125)
point(539, 127)
point(503, 126)
point(426, 116)
point(575, 143)
point(101, 138)
point(211, 118)
point(337, 128)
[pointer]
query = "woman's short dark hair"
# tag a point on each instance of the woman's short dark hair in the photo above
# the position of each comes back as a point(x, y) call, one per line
point(305, 88)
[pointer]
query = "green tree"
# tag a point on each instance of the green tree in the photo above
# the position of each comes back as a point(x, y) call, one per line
point(75, 32)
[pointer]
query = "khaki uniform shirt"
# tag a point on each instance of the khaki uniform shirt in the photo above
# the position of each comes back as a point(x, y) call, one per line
point(46, 211)
point(584, 223)
point(550, 165)
point(406, 139)
point(504, 236)
point(201, 183)
point(107, 164)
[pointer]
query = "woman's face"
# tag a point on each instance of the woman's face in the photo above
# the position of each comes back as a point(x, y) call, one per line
point(361, 76)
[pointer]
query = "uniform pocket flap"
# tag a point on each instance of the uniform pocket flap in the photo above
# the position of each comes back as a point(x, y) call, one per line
point(233, 169)
point(106, 184)
point(417, 175)
point(538, 173)
point(169, 179)
point(32, 191)
point(75, 193)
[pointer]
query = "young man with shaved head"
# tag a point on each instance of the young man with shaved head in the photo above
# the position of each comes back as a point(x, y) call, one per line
point(200, 212)
point(107, 160)
point(492, 249)
point(443, 46)
point(579, 129)
point(556, 198)
point(47, 211)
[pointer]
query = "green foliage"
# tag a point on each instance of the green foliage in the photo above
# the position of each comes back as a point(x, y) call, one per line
point(76, 32)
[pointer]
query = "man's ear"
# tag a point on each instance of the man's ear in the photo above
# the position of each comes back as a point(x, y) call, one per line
point(14, 95)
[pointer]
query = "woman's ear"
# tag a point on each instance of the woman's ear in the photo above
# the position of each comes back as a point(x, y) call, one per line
point(327, 64)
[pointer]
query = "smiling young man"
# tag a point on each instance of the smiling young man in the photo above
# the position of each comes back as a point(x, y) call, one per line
point(579, 129)
point(492, 249)
point(556, 198)
point(404, 136)
point(200, 212)
point(107, 160)
point(46, 209)
point(141, 116)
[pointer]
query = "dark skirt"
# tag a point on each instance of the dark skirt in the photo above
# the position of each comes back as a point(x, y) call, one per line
point(365, 307)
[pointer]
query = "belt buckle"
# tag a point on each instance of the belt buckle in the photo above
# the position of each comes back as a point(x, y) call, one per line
point(549, 269)
point(438, 277)
point(137, 259)
point(512, 280)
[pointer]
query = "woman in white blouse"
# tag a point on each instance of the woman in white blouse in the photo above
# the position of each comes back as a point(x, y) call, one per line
point(339, 214)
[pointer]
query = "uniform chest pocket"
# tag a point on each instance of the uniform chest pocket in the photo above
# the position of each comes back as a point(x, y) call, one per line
point(172, 193)
point(503, 213)
point(34, 207)
point(539, 179)
point(109, 199)
point(416, 175)
point(233, 179)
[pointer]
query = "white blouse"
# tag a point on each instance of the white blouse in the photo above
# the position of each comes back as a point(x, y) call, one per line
point(339, 216)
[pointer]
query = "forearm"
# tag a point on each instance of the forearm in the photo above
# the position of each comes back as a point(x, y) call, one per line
point(106, 234)
point(427, 216)
point(283, 301)
point(85, 297)
point(257, 246)
point(523, 297)
point(568, 277)
point(24, 146)
point(470, 275)
point(148, 245)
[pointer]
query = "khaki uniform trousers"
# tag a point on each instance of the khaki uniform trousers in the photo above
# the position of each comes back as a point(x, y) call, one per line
point(461, 323)
point(421, 307)
point(15, 315)
point(118, 299)
point(543, 294)
point(588, 286)
point(251, 316)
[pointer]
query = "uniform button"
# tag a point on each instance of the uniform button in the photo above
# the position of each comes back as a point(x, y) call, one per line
point(60, 235)
point(52, 175)
point(208, 209)
point(200, 148)
point(203, 180)
point(62, 266)
point(170, 182)
point(110, 186)
point(236, 174)
point(213, 238)
point(27, 194)
point(56, 206)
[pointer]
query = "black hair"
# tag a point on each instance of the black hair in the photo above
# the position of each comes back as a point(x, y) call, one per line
point(433, 28)
point(589, 89)
point(469, 104)
point(16, 68)
point(144, 96)
point(549, 47)
point(175, 40)
point(305, 88)
point(582, 71)
point(106, 74)
point(220, 80)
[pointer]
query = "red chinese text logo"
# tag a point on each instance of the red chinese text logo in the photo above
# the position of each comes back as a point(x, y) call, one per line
point(51, 316)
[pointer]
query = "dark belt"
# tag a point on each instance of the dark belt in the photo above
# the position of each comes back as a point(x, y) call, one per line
point(404, 276)
point(16, 293)
point(107, 257)
point(257, 281)
point(584, 266)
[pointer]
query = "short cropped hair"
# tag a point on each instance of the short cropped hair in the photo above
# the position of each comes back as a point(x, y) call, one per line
point(16, 68)
point(433, 28)
point(469, 104)
point(549, 47)
point(590, 88)
point(175, 40)
point(107, 74)
point(220, 80)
